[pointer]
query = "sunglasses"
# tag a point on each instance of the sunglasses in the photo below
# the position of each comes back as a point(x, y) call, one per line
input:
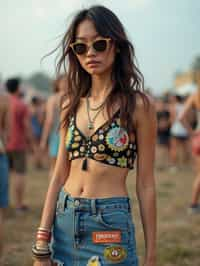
point(80, 48)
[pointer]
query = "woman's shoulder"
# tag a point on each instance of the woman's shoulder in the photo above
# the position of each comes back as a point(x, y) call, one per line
point(145, 111)
point(144, 102)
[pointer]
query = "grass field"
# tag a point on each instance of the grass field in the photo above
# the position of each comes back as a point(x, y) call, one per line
point(178, 232)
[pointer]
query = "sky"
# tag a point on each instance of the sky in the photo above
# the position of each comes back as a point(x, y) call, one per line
point(165, 35)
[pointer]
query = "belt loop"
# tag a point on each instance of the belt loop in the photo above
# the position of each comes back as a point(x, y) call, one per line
point(63, 203)
point(93, 207)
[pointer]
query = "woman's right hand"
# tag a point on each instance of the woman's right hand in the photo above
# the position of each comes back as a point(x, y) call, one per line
point(46, 262)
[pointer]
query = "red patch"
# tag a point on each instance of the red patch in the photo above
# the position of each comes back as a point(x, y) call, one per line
point(106, 237)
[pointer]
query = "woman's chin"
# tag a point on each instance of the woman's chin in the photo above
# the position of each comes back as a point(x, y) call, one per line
point(95, 71)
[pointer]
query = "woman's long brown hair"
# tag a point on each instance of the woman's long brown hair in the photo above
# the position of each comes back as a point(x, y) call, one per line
point(126, 76)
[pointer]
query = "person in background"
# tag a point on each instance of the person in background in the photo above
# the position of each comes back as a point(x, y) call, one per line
point(37, 120)
point(193, 101)
point(18, 138)
point(50, 133)
point(4, 129)
point(163, 133)
point(179, 141)
point(106, 122)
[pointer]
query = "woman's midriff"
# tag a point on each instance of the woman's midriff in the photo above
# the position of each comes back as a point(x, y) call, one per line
point(99, 181)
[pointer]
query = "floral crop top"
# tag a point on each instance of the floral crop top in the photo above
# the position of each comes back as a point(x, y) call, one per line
point(109, 144)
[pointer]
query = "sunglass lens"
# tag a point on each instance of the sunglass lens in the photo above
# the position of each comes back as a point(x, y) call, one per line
point(100, 45)
point(80, 48)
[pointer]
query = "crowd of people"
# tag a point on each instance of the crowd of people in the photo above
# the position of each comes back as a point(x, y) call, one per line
point(31, 129)
point(28, 130)
point(178, 143)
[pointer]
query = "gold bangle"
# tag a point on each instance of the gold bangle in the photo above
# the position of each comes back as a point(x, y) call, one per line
point(42, 247)
point(44, 229)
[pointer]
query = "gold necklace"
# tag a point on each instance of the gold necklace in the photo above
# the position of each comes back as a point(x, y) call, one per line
point(90, 120)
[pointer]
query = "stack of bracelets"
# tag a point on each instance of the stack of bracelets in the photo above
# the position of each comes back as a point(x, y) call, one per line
point(41, 249)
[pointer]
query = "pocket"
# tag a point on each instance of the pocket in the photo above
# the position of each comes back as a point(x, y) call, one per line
point(114, 219)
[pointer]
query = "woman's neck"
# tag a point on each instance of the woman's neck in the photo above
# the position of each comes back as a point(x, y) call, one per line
point(101, 86)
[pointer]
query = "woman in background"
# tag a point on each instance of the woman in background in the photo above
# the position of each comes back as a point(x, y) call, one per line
point(193, 101)
point(37, 120)
point(179, 135)
point(50, 132)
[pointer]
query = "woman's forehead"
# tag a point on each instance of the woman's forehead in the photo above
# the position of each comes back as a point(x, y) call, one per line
point(86, 31)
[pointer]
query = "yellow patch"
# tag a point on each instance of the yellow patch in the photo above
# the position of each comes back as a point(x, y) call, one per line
point(115, 254)
point(94, 261)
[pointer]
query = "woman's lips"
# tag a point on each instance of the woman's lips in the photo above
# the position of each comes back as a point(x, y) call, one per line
point(92, 63)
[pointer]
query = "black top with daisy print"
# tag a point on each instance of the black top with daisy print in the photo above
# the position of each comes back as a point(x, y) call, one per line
point(109, 144)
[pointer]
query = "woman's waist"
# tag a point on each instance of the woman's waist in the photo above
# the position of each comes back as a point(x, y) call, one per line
point(109, 202)
point(95, 187)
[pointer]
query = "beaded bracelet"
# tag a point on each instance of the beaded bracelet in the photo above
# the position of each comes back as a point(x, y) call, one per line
point(43, 234)
point(41, 253)
point(44, 229)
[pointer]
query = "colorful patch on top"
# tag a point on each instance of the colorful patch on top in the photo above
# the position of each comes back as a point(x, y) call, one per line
point(117, 139)
point(94, 261)
point(115, 254)
point(106, 237)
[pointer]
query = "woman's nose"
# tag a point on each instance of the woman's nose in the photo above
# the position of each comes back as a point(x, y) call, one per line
point(91, 51)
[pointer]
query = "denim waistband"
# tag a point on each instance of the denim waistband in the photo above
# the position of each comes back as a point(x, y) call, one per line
point(94, 205)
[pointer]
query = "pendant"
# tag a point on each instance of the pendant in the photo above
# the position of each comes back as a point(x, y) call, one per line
point(90, 125)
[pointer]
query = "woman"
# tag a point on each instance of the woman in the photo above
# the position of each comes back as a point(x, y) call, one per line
point(163, 133)
point(179, 134)
point(37, 119)
point(100, 122)
point(193, 101)
point(50, 132)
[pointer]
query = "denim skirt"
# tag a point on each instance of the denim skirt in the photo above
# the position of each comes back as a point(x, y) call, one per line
point(93, 232)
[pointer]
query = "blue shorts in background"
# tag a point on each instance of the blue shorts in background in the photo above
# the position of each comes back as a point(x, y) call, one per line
point(3, 181)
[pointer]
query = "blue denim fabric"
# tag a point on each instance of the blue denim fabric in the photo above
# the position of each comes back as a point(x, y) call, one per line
point(77, 218)
point(3, 181)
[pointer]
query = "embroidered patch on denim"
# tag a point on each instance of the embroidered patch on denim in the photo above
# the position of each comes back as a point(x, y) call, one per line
point(94, 261)
point(115, 254)
point(106, 237)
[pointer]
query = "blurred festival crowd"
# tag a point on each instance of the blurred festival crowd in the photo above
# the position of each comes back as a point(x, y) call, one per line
point(29, 135)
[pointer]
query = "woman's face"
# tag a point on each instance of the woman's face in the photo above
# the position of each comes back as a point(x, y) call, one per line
point(94, 62)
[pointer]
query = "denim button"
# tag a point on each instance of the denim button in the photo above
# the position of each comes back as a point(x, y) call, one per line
point(76, 203)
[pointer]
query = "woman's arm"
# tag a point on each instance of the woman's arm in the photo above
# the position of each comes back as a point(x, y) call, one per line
point(190, 102)
point(145, 184)
point(60, 174)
